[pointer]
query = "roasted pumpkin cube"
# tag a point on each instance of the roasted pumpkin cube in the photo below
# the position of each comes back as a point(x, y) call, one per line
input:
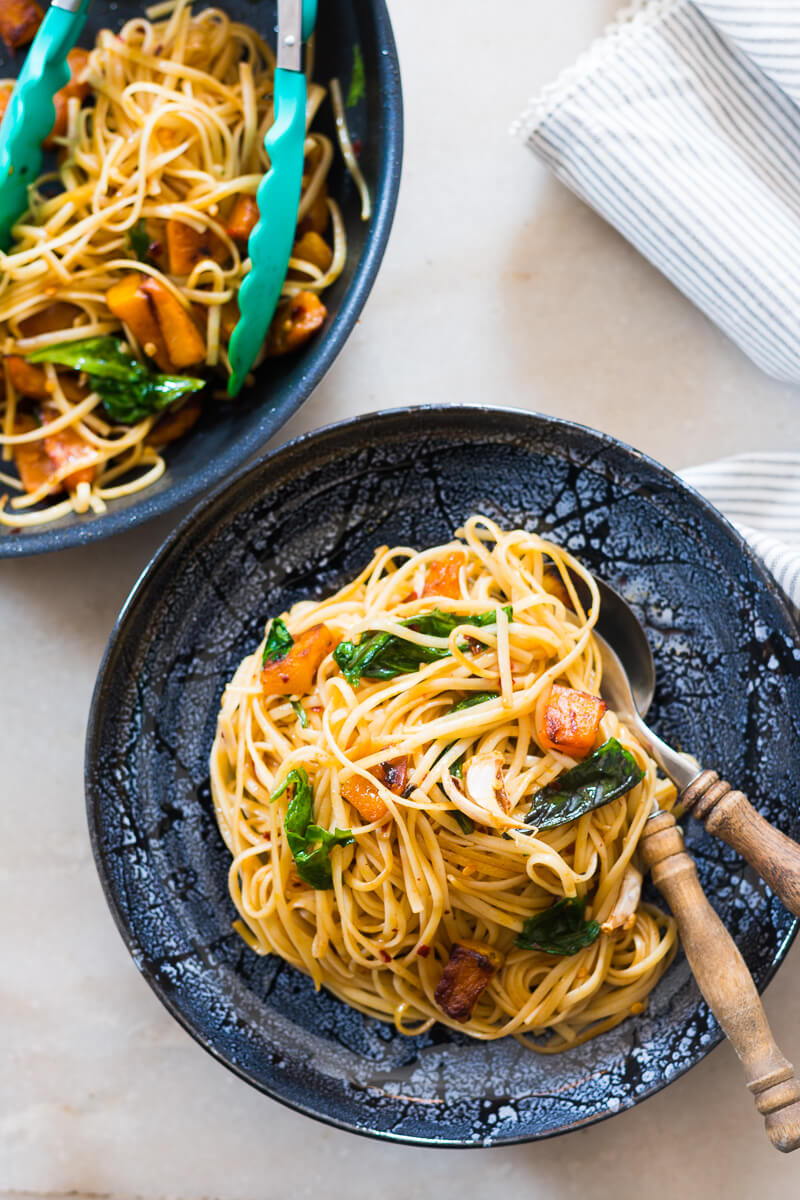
point(185, 345)
point(318, 216)
point(293, 675)
point(19, 22)
point(197, 49)
point(74, 391)
point(392, 774)
point(314, 249)
point(466, 974)
point(229, 319)
point(571, 721)
point(553, 584)
point(294, 322)
point(77, 60)
point(186, 247)
point(243, 218)
point(28, 380)
point(67, 448)
point(441, 578)
point(174, 425)
point(133, 306)
point(31, 381)
point(366, 798)
point(32, 461)
point(38, 462)
point(59, 315)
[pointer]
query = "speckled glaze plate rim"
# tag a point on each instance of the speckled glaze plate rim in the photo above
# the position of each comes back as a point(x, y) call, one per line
point(291, 459)
point(274, 411)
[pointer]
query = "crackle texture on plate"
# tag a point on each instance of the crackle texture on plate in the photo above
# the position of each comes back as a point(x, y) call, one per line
point(299, 524)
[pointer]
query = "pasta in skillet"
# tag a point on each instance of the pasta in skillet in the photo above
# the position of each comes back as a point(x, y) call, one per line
point(118, 294)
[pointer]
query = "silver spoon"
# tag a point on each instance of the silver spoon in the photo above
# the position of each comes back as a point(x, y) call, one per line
point(618, 626)
point(726, 813)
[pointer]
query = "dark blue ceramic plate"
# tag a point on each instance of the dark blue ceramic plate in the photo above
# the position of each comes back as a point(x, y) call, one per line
point(228, 435)
point(298, 524)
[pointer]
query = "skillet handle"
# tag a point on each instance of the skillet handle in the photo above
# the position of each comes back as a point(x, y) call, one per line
point(724, 980)
point(729, 815)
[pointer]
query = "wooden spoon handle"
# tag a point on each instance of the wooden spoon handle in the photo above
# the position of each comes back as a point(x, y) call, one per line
point(724, 980)
point(729, 815)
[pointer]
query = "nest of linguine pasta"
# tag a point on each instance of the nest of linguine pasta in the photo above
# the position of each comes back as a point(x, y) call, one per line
point(406, 776)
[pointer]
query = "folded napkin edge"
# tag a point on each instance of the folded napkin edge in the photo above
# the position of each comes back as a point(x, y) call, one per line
point(628, 23)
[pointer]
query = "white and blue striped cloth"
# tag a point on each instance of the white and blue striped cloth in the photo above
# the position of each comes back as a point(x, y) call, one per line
point(760, 495)
point(681, 126)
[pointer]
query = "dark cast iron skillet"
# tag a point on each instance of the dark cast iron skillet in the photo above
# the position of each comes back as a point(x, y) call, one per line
point(230, 433)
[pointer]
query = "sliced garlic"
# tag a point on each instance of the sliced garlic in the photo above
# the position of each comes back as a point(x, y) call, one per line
point(484, 782)
point(623, 914)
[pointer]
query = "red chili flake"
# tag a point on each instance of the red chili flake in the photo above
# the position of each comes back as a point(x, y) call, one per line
point(386, 957)
point(316, 708)
point(357, 147)
point(423, 951)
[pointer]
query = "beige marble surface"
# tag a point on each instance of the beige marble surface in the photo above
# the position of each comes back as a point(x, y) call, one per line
point(498, 287)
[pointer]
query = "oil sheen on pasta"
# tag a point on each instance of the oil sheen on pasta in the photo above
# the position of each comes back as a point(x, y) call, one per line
point(442, 875)
point(141, 233)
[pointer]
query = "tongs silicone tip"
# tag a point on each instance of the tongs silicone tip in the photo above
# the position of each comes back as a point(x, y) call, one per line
point(278, 196)
point(30, 114)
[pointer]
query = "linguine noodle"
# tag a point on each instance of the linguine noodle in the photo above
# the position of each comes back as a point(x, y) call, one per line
point(442, 867)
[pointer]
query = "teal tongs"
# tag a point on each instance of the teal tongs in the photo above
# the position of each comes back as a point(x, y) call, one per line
point(278, 196)
point(31, 112)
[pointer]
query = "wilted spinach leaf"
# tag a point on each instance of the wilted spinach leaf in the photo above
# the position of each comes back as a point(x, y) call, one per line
point(279, 642)
point(465, 823)
point(128, 403)
point(608, 773)
point(139, 240)
point(129, 390)
point(473, 699)
point(382, 655)
point(560, 929)
point(457, 767)
point(442, 624)
point(310, 844)
point(103, 357)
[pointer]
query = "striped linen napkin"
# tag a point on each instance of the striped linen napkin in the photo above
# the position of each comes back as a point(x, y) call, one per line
point(681, 126)
point(760, 495)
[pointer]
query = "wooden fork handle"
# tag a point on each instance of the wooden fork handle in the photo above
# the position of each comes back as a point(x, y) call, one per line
point(724, 980)
point(729, 815)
